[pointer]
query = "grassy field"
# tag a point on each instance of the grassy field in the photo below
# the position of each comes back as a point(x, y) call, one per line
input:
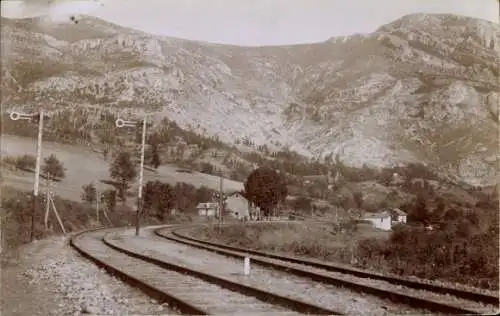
point(84, 166)
point(460, 253)
point(325, 241)
point(16, 210)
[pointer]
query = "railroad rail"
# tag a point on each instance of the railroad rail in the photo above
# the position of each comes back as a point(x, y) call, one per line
point(190, 291)
point(418, 294)
point(286, 287)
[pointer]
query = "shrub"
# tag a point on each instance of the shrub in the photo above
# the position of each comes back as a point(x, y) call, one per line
point(301, 203)
point(89, 192)
point(459, 252)
point(206, 167)
point(108, 197)
point(53, 168)
point(25, 162)
point(123, 169)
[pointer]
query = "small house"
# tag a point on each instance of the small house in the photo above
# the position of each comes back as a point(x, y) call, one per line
point(398, 215)
point(207, 209)
point(237, 205)
point(380, 220)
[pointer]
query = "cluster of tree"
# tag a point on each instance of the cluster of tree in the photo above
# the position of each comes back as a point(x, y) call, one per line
point(301, 203)
point(265, 188)
point(123, 169)
point(161, 198)
point(67, 126)
point(106, 197)
point(289, 162)
point(25, 162)
point(296, 167)
point(169, 131)
point(239, 170)
point(444, 239)
point(52, 168)
point(463, 248)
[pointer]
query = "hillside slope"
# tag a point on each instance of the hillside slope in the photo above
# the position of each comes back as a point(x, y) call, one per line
point(422, 88)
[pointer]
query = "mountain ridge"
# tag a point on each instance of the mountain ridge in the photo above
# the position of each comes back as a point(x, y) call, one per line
point(420, 88)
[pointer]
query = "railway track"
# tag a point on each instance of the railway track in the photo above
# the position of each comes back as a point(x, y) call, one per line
point(190, 291)
point(418, 294)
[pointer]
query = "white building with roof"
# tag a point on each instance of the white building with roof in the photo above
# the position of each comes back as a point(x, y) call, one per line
point(207, 209)
point(237, 204)
point(381, 220)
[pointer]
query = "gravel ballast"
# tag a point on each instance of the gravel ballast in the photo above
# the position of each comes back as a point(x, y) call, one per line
point(48, 277)
point(328, 296)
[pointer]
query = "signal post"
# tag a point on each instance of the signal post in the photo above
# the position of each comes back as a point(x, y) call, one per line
point(123, 123)
point(35, 118)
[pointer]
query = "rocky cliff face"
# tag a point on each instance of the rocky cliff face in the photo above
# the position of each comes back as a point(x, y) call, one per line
point(422, 88)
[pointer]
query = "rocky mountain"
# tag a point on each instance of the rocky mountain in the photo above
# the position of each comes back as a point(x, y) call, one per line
point(422, 88)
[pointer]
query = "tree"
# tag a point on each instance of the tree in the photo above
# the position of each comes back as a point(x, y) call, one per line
point(203, 194)
point(185, 196)
point(105, 153)
point(358, 199)
point(108, 197)
point(265, 188)
point(150, 194)
point(123, 169)
point(53, 168)
point(155, 156)
point(159, 197)
point(302, 203)
point(420, 212)
point(89, 193)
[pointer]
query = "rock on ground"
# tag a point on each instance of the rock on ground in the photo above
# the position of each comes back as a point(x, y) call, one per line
point(48, 277)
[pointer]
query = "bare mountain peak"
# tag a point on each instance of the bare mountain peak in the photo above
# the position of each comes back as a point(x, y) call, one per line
point(422, 88)
point(341, 39)
point(442, 22)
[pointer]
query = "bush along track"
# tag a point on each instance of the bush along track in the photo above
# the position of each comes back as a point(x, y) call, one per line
point(419, 294)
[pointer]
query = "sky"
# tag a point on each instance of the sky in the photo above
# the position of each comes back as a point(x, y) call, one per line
point(259, 22)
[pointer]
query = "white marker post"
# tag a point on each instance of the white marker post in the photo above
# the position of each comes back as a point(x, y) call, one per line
point(246, 266)
point(122, 123)
point(37, 116)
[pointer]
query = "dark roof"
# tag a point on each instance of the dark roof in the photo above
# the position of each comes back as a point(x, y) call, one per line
point(235, 192)
point(377, 215)
point(206, 205)
point(395, 211)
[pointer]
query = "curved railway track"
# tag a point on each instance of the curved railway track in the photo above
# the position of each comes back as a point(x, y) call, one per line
point(418, 294)
point(190, 291)
point(197, 277)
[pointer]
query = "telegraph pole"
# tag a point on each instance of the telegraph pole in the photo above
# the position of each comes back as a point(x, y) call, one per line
point(97, 202)
point(1, 228)
point(39, 117)
point(122, 123)
point(221, 205)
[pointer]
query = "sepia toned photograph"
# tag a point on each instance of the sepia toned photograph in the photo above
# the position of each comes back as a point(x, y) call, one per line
point(249, 157)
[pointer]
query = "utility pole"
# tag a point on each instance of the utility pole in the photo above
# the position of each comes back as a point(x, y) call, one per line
point(97, 202)
point(221, 204)
point(39, 118)
point(122, 123)
point(1, 228)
